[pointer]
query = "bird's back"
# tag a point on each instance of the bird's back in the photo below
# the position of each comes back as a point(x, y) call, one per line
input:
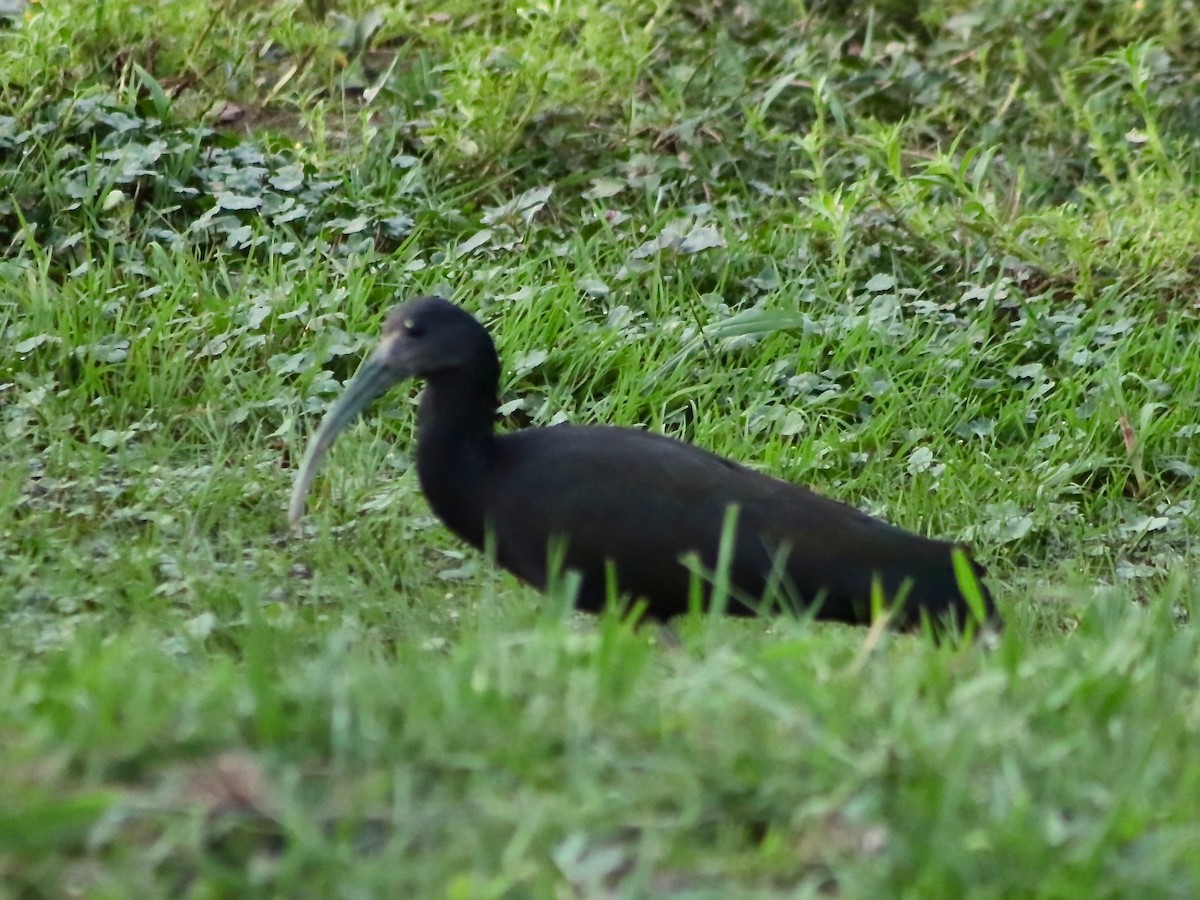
point(644, 501)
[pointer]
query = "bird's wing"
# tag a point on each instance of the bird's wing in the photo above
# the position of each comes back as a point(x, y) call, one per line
point(646, 500)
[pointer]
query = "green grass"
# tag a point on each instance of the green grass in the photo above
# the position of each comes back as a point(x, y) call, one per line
point(925, 258)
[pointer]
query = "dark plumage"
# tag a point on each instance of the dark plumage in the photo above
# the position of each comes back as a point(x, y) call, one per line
point(638, 500)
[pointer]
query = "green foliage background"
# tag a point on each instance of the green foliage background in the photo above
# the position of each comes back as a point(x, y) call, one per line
point(937, 259)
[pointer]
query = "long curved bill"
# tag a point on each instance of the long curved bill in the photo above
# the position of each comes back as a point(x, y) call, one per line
point(373, 379)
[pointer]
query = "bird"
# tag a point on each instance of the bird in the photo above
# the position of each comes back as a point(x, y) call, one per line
point(635, 514)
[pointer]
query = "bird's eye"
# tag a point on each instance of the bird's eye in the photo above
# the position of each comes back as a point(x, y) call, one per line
point(412, 328)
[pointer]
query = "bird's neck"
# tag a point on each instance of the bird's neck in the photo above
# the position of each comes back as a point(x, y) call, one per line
point(455, 448)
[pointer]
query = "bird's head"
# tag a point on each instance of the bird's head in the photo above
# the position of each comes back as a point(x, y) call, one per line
point(428, 337)
point(425, 338)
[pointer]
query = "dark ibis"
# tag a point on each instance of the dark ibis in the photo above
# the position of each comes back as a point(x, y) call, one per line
point(672, 523)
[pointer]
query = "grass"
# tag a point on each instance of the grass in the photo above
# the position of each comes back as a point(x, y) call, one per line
point(937, 262)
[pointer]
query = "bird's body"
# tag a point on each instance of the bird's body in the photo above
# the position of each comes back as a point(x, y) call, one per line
point(619, 500)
